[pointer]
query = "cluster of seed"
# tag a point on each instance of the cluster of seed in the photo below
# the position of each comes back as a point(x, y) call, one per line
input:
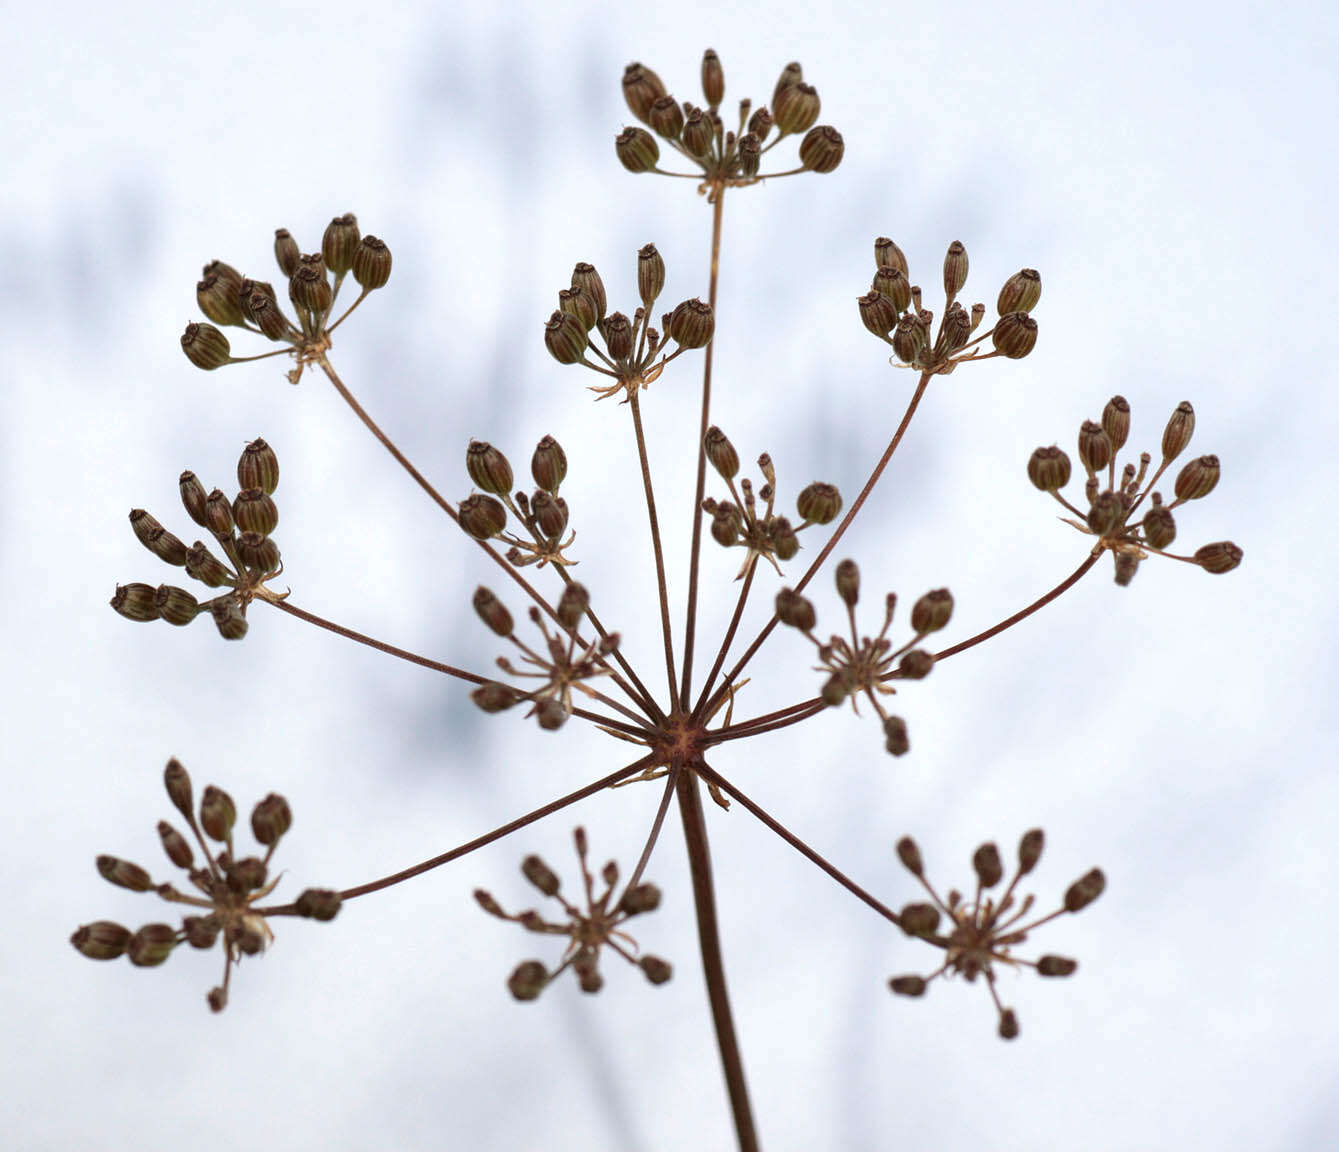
point(228, 886)
point(230, 299)
point(983, 931)
point(587, 931)
point(893, 311)
point(761, 532)
point(242, 527)
point(1112, 502)
point(699, 135)
point(865, 665)
point(565, 661)
point(631, 347)
point(543, 514)
point(564, 665)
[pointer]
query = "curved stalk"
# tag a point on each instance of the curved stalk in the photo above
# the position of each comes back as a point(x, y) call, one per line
point(636, 730)
point(642, 696)
point(827, 548)
point(799, 845)
point(661, 585)
point(672, 779)
point(478, 842)
point(1022, 614)
point(726, 641)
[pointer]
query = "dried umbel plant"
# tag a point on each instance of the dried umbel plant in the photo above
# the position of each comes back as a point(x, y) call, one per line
point(567, 665)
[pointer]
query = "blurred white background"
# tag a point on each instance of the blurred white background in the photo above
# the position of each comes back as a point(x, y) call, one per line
point(1169, 170)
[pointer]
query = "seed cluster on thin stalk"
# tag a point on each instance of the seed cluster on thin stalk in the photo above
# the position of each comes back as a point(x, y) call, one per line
point(565, 664)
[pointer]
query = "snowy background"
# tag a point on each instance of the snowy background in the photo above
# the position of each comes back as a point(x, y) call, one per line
point(1168, 169)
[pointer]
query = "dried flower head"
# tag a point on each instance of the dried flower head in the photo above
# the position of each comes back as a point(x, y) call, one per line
point(867, 665)
point(588, 929)
point(1114, 501)
point(564, 664)
point(314, 280)
point(227, 888)
point(892, 311)
point(761, 532)
point(983, 931)
point(727, 158)
point(241, 528)
point(634, 353)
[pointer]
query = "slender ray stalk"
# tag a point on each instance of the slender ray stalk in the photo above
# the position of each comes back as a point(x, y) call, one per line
point(695, 553)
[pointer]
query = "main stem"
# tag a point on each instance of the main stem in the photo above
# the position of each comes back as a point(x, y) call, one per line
point(709, 937)
point(690, 798)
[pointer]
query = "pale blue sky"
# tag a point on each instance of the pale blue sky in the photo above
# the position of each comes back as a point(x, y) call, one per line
point(1168, 169)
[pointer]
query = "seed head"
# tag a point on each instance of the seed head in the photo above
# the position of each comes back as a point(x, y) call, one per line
point(286, 251)
point(1049, 469)
point(892, 282)
point(270, 819)
point(795, 108)
point(340, 243)
point(218, 813)
point(692, 324)
point(527, 982)
point(955, 269)
point(138, 602)
point(819, 503)
point(721, 453)
point(932, 611)
point(750, 154)
point(371, 264)
point(258, 467)
point(1198, 478)
point(878, 313)
point(1116, 421)
point(124, 874)
point(666, 117)
point(151, 945)
point(637, 150)
point(795, 610)
point(1218, 558)
point(699, 133)
point(1180, 427)
point(101, 940)
point(1094, 447)
point(889, 255)
point(821, 149)
point(488, 468)
point(1015, 335)
point(650, 274)
point(548, 465)
point(895, 739)
point(1084, 890)
point(910, 855)
point(641, 89)
point(482, 516)
point(229, 617)
point(1020, 293)
point(1159, 526)
point(318, 904)
point(565, 338)
point(254, 511)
